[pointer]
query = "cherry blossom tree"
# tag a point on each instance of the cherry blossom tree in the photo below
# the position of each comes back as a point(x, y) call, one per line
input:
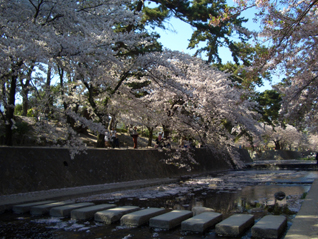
point(289, 29)
point(196, 100)
point(295, 45)
point(99, 53)
point(79, 33)
point(287, 137)
point(313, 142)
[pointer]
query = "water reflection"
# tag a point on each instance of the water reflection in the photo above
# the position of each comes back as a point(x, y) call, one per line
point(258, 200)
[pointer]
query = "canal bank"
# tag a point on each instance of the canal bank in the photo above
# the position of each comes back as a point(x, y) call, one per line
point(300, 229)
point(231, 178)
point(30, 169)
point(305, 224)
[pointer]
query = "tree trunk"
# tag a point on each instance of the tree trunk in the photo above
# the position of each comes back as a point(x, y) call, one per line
point(49, 103)
point(150, 129)
point(100, 137)
point(25, 90)
point(111, 122)
point(277, 145)
point(25, 103)
point(166, 131)
point(69, 120)
point(10, 111)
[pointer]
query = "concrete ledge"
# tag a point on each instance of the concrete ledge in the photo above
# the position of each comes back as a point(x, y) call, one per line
point(305, 224)
point(235, 225)
point(8, 201)
point(269, 227)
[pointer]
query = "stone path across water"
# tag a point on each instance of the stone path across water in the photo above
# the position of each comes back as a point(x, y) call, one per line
point(236, 225)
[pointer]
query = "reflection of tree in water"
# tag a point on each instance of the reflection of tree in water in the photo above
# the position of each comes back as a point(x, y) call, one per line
point(222, 202)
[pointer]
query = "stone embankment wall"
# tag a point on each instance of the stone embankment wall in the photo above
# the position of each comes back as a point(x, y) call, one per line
point(24, 169)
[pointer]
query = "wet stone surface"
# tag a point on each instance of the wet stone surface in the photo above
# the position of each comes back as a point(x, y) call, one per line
point(251, 192)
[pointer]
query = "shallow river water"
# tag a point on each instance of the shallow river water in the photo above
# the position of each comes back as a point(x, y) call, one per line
point(227, 193)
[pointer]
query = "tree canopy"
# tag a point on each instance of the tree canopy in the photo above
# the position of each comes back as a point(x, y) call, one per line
point(66, 57)
point(197, 13)
point(289, 29)
point(103, 61)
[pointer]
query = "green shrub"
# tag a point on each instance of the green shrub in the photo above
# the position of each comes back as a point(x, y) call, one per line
point(18, 109)
point(122, 129)
point(145, 133)
point(22, 128)
point(308, 158)
point(32, 112)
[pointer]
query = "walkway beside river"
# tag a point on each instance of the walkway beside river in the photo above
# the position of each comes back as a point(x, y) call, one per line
point(305, 224)
point(7, 201)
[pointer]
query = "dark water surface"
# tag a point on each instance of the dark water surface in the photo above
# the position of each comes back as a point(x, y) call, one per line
point(227, 193)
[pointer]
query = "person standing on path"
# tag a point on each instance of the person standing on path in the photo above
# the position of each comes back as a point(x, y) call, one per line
point(134, 135)
point(114, 139)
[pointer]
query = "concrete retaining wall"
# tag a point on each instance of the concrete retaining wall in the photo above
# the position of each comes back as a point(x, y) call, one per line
point(33, 169)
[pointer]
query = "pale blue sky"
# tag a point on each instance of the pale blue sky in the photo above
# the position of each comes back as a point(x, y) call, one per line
point(178, 34)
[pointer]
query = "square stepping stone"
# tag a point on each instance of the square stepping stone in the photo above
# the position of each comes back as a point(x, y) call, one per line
point(199, 210)
point(170, 220)
point(88, 212)
point(45, 208)
point(113, 215)
point(270, 226)
point(235, 225)
point(26, 207)
point(141, 217)
point(201, 222)
point(65, 211)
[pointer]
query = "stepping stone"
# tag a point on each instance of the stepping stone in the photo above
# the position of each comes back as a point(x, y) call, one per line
point(45, 208)
point(88, 212)
point(269, 226)
point(141, 217)
point(170, 220)
point(199, 210)
point(23, 208)
point(113, 215)
point(65, 211)
point(201, 222)
point(235, 225)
